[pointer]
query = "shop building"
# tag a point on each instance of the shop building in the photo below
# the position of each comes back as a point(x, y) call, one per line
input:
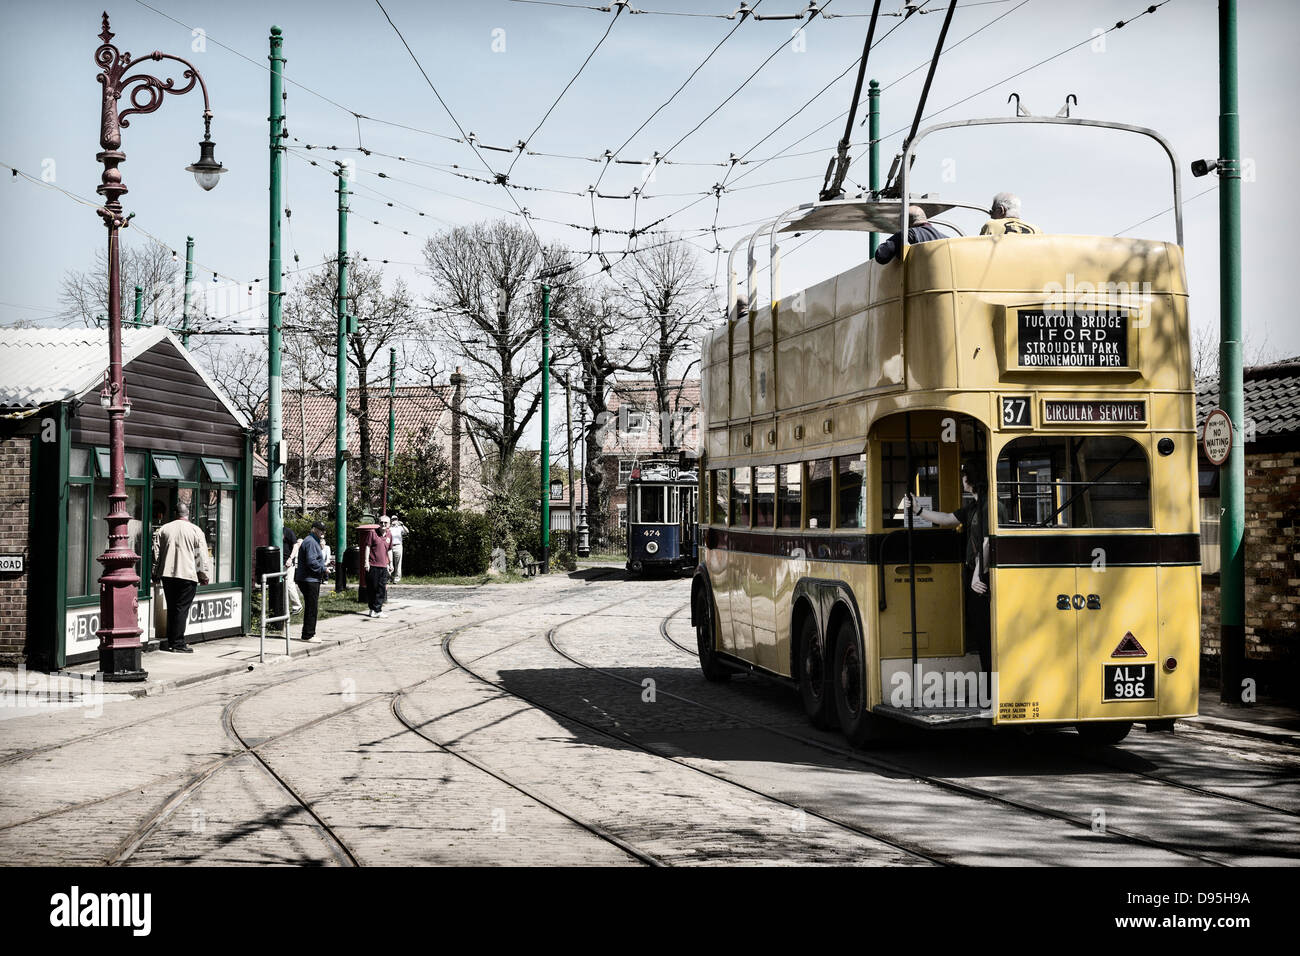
point(185, 442)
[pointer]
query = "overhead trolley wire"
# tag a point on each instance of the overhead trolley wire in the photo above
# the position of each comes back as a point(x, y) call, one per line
point(523, 143)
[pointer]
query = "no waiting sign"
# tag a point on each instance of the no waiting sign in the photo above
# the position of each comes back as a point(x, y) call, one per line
point(1218, 436)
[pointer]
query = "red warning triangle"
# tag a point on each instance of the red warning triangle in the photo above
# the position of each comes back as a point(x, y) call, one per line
point(1129, 647)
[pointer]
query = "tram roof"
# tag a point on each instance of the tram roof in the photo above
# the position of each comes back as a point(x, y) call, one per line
point(868, 215)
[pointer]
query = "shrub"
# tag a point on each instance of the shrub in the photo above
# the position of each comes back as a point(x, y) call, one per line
point(563, 561)
point(445, 541)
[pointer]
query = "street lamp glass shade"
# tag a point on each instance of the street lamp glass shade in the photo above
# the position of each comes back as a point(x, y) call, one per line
point(207, 170)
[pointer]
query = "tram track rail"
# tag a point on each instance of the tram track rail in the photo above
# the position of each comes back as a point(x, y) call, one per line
point(195, 778)
point(1094, 757)
point(627, 739)
point(948, 784)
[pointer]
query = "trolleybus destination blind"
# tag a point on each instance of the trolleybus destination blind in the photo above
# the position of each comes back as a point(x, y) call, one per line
point(1072, 337)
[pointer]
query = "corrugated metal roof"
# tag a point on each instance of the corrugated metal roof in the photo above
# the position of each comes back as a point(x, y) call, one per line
point(1271, 395)
point(41, 366)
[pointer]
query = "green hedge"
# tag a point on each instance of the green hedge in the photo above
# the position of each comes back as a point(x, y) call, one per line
point(444, 541)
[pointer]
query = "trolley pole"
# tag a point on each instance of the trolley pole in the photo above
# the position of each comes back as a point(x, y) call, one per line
point(341, 393)
point(274, 302)
point(1232, 475)
point(546, 429)
point(873, 148)
point(139, 307)
point(189, 279)
point(392, 426)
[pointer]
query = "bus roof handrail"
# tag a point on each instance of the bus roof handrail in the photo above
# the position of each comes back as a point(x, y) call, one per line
point(904, 168)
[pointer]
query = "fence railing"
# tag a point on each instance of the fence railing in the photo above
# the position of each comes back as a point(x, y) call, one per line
point(261, 637)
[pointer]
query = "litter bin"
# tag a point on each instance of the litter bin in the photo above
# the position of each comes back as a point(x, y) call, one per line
point(268, 562)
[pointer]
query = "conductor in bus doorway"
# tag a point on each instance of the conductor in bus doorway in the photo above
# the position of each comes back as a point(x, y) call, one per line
point(973, 518)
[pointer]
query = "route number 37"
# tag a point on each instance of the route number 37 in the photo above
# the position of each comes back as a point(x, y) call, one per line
point(1015, 411)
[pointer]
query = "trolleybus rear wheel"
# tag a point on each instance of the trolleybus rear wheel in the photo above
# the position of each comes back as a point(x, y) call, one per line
point(848, 679)
point(712, 669)
point(815, 676)
point(1111, 732)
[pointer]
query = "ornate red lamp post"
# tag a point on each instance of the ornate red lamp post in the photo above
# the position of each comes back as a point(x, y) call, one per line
point(119, 635)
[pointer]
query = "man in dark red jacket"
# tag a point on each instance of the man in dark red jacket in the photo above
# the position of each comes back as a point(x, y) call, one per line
point(378, 554)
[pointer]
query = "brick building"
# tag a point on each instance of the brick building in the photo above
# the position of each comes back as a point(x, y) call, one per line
point(1272, 542)
point(422, 415)
point(636, 434)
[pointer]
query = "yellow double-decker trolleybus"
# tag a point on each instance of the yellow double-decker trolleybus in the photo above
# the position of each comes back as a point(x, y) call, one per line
point(838, 422)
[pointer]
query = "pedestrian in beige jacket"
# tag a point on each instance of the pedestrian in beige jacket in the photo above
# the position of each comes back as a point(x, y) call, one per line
point(180, 561)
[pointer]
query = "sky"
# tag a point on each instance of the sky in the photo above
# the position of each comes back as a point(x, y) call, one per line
point(499, 66)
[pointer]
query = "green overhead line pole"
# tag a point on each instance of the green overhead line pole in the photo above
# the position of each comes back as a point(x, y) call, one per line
point(189, 279)
point(139, 307)
point(1232, 475)
point(341, 392)
point(274, 304)
point(392, 426)
point(546, 429)
point(873, 134)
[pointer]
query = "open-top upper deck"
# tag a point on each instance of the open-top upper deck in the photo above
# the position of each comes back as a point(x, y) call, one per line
point(1039, 313)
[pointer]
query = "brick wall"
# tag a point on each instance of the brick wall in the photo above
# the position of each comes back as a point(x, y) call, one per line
point(15, 488)
point(1272, 564)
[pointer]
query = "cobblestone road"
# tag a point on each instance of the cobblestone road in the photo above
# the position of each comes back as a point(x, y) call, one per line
point(554, 722)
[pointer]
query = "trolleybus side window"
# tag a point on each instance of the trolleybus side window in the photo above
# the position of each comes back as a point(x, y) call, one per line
point(1074, 482)
point(789, 496)
point(924, 482)
point(764, 496)
point(740, 495)
point(852, 472)
point(721, 491)
point(819, 493)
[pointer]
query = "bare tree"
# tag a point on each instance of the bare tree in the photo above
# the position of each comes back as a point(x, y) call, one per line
point(241, 372)
point(667, 290)
point(311, 328)
point(150, 266)
point(605, 341)
point(1205, 351)
point(487, 315)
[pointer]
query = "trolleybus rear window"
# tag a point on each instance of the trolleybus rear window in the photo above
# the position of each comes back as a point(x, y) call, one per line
point(923, 482)
point(1074, 482)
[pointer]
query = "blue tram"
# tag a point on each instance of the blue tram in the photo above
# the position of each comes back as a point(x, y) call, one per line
point(662, 527)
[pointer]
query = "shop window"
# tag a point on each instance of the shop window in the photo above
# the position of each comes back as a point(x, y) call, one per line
point(764, 496)
point(79, 463)
point(741, 491)
point(167, 467)
point(103, 463)
point(852, 473)
point(78, 522)
point(819, 493)
point(789, 495)
point(1074, 482)
point(216, 471)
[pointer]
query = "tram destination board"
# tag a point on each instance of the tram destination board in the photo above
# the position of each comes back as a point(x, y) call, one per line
point(1072, 337)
